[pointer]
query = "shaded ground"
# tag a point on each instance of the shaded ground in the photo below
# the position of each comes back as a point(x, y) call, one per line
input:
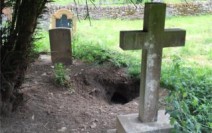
point(100, 94)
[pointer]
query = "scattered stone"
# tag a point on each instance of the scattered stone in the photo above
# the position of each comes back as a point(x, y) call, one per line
point(63, 129)
point(93, 125)
point(67, 78)
point(44, 74)
point(33, 117)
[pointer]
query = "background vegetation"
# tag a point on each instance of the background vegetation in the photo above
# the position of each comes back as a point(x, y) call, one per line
point(104, 35)
point(119, 2)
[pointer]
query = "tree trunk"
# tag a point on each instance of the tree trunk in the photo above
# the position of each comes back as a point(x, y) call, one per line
point(15, 51)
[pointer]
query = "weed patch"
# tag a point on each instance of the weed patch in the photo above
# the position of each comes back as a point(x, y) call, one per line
point(97, 53)
point(190, 101)
point(61, 77)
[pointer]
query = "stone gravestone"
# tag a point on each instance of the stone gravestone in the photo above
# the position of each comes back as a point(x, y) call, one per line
point(63, 24)
point(60, 40)
point(152, 39)
point(63, 18)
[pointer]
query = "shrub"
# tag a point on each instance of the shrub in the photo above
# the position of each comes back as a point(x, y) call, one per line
point(189, 102)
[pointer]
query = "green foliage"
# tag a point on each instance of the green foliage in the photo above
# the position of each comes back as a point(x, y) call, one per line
point(197, 48)
point(139, 1)
point(100, 54)
point(61, 76)
point(123, 2)
point(59, 72)
point(97, 53)
point(210, 54)
point(41, 43)
point(190, 101)
point(134, 68)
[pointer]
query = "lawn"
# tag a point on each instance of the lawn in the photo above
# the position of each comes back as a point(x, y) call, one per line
point(117, 2)
point(196, 53)
point(105, 34)
point(198, 48)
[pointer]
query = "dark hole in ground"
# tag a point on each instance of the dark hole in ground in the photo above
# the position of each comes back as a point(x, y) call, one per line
point(120, 92)
point(108, 85)
point(119, 99)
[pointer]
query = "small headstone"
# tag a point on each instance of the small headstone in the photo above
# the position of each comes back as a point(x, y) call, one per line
point(60, 40)
point(63, 25)
point(63, 18)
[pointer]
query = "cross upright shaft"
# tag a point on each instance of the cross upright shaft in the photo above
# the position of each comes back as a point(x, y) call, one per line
point(151, 39)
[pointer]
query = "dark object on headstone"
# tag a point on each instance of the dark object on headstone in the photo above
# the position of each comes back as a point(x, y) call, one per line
point(64, 22)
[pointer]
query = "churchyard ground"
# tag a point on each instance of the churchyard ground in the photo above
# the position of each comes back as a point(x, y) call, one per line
point(51, 108)
point(184, 69)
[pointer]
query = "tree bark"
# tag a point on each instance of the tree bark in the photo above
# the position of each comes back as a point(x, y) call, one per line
point(15, 51)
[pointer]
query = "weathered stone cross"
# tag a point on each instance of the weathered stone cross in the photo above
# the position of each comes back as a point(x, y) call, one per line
point(151, 40)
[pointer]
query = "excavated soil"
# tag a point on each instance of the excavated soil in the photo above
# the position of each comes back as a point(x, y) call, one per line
point(97, 95)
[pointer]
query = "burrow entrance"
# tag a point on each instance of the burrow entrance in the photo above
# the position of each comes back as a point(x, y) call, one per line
point(108, 83)
point(119, 92)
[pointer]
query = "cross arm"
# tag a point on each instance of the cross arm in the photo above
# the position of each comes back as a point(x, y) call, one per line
point(132, 40)
point(173, 38)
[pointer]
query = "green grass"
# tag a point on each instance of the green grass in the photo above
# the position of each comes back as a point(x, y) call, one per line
point(117, 2)
point(198, 39)
point(63, 2)
point(42, 43)
point(182, 1)
point(105, 34)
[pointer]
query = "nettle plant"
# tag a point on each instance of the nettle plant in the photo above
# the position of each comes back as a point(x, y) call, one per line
point(189, 102)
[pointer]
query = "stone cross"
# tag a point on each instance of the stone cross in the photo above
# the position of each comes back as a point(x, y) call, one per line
point(152, 39)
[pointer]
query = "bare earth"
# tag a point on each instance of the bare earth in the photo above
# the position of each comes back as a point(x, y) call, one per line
point(100, 94)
